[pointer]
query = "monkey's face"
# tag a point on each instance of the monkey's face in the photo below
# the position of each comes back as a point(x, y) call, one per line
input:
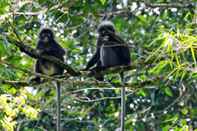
point(105, 31)
point(105, 28)
point(45, 37)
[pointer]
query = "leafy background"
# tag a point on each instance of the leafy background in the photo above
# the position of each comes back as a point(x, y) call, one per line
point(163, 40)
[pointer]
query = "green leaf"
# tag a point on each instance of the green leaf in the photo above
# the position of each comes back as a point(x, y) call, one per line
point(168, 91)
point(4, 6)
point(184, 111)
point(160, 67)
point(103, 1)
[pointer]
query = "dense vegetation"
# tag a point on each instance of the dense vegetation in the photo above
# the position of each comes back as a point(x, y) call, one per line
point(161, 82)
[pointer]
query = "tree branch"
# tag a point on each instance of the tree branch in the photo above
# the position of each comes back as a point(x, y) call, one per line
point(168, 5)
point(79, 83)
point(13, 83)
point(35, 54)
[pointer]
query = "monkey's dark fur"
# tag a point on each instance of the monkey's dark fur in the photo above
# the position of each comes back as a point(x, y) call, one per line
point(48, 46)
point(111, 50)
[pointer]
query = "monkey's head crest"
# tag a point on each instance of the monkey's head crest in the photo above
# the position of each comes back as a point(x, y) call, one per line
point(46, 31)
point(46, 35)
point(106, 26)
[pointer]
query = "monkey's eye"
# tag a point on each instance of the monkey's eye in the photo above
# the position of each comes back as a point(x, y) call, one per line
point(43, 35)
point(103, 32)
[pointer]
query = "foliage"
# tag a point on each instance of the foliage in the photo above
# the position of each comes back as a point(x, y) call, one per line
point(162, 34)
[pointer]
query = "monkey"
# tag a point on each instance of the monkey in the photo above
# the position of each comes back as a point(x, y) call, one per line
point(47, 45)
point(111, 51)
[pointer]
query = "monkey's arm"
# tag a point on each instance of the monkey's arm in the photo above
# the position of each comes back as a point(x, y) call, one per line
point(54, 50)
point(122, 50)
point(125, 55)
point(59, 49)
point(94, 59)
point(26, 52)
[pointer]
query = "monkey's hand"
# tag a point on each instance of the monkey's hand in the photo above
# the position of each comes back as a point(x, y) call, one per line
point(40, 52)
point(47, 50)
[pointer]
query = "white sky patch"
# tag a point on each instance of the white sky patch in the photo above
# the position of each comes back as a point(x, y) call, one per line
point(55, 29)
point(85, 91)
point(4, 57)
point(174, 9)
point(73, 32)
point(131, 105)
point(119, 6)
point(156, 10)
point(58, 34)
point(62, 36)
point(69, 107)
point(116, 114)
point(134, 120)
point(60, 24)
point(152, 115)
point(144, 119)
point(61, 31)
point(188, 119)
point(142, 6)
point(142, 31)
point(50, 20)
point(150, 13)
point(69, 62)
point(41, 16)
point(133, 6)
point(80, 118)
point(35, 25)
point(181, 103)
point(28, 38)
point(92, 34)
point(31, 90)
point(125, 3)
point(135, 101)
point(138, 13)
point(22, 54)
point(42, 22)
point(131, 41)
point(148, 100)
point(80, 48)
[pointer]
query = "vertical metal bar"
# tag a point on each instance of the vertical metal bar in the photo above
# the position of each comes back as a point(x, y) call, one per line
point(122, 119)
point(122, 108)
point(58, 91)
